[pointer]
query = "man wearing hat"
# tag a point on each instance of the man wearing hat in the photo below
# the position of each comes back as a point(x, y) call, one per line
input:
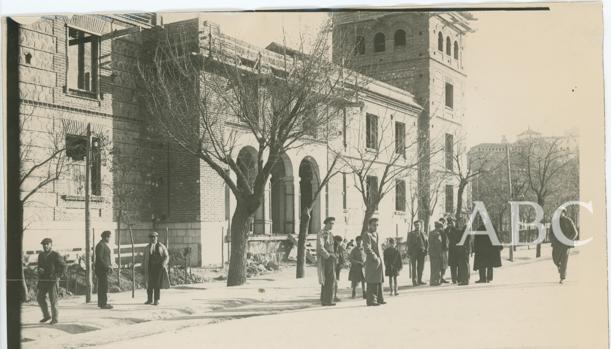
point(417, 247)
point(103, 268)
point(374, 269)
point(326, 260)
point(51, 267)
point(156, 276)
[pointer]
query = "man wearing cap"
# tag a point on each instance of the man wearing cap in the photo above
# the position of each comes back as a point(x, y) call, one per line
point(156, 277)
point(326, 260)
point(374, 269)
point(103, 267)
point(51, 267)
point(417, 247)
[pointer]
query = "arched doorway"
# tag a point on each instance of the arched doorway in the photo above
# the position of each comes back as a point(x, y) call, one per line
point(308, 185)
point(247, 161)
point(282, 197)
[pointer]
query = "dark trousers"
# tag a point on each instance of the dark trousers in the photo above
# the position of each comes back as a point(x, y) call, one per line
point(417, 266)
point(435, 264)
point(444, 263)
point(454, 273)
point(560, 256)
point(154, 283)
point(374, 293)
point(486, 274)
point(327, 290)
point(102, 287)
point(49, 287)
point(463, 271)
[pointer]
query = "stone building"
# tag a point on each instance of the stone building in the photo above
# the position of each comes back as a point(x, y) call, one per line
point(421, 53)
point(79, 70)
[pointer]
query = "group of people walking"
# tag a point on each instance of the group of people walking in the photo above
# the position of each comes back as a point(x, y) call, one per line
point(51, 267)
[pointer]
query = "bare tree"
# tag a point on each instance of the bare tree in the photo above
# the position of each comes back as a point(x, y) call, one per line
point(42, 158)
point(133, 184)
point(306, 215)
point(214, 99)
point(543, 160)
point(380, 156)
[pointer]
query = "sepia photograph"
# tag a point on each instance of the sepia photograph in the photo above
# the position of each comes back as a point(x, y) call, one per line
point(347, 177)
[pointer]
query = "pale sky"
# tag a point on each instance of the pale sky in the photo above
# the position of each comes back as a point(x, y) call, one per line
point(525, 69)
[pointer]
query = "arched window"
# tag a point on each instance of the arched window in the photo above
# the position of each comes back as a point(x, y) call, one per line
point(455, 50)
point(400, 38)
point(448, 46)
point(379, 42)
point(359, 48)
point(440, 42)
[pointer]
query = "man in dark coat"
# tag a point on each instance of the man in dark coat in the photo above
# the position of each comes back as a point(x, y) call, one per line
point(103, 268)
point(487, 256)
point(51, 267)
point(417, 247)
point(461, 253)
point(435, 254)
point(338, 248)
point(560, 251)
point(453, 236)
point(374, 269)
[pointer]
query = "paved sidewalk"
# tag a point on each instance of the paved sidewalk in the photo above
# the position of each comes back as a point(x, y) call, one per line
point(192, 305)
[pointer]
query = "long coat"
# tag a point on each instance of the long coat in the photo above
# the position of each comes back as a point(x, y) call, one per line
point(456, 252)
point(165, 276)
point(435, 243)
point(486, 254)
point(374, 269)
point(324, 250)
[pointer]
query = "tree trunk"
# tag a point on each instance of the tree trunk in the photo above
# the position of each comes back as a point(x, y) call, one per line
point(119, 249)
point(459, 195)
point(304, 224)
point(239, 241)
point(369, 211)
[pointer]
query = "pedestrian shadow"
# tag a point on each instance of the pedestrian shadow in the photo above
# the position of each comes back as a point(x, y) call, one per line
point(65, 327)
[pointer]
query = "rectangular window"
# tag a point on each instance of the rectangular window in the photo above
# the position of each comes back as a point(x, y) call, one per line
point(76, 150)
point(371, 129)
point(344, 191)
point(449, 95)
point(83, 56)
point(400, 197)
point(400, 138)
point(449, 199)
point(372, 190)
point(449, 151)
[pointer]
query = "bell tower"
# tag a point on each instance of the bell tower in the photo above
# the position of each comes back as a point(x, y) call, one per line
point(422, 53)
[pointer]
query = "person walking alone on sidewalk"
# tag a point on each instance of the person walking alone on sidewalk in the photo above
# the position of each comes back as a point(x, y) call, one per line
point(357, 261)
point(560, 251)
point(417, 247)
point(51, 267)
point(103, 268)
point(374, 270)
point(326, 260)
point(156, 276)
point(394, 264)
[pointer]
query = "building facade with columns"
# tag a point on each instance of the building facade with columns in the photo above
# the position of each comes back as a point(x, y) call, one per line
point(81, 70)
